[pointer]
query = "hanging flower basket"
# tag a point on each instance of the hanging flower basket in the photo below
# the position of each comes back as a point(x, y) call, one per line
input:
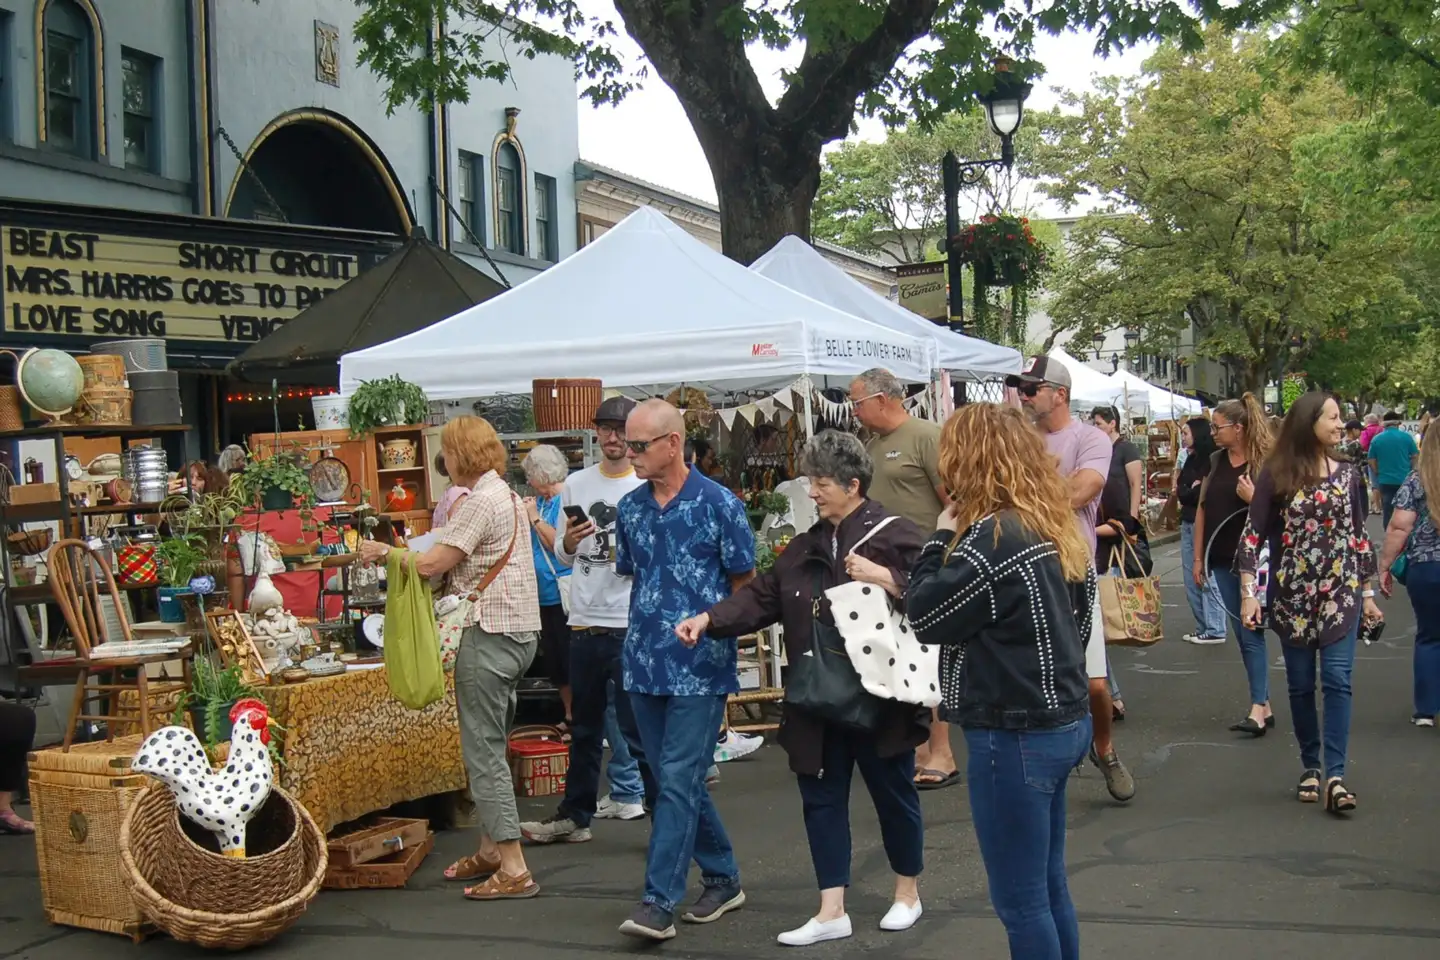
point(1000, 273)
point(1004, 253)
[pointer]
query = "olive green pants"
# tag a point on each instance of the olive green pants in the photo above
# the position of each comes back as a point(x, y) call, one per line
point(488, 667)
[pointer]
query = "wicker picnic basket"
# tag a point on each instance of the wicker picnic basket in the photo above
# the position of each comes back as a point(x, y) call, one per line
point(198, 896)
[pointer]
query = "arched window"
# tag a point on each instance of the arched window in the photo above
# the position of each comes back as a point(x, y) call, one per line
point(72, 80)
point(509, 198)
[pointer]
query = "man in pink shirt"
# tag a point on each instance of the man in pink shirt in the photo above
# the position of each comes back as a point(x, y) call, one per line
point(1084, 455)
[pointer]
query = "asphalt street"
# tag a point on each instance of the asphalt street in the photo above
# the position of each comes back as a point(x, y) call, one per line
point(1213, 858)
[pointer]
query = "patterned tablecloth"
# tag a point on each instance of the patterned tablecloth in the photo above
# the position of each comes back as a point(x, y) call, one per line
point(351, 748)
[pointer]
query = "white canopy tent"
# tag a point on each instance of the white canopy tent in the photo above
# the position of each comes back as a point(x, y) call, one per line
point(1089, 387)
point(1161, 403)
point(797, 265)
point(644, 306)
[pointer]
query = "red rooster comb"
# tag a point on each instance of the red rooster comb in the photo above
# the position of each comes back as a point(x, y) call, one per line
point(250, 707)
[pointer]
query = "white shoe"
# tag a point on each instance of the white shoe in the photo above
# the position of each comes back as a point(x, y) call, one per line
point(816, 932)
point(901, 916)
point(609, 809)
point(736, 745)
point(1201, 640)
point(1423, 721)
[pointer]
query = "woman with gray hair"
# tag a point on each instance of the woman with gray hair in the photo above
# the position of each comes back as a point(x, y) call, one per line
point(545, 470)
point(824, 755)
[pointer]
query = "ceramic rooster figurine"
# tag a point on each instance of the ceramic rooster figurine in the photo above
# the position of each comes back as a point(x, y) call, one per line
point(222, 801)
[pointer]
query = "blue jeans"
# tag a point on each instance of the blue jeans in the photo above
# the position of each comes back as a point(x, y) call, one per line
point(826, 802)
point(1205, 601)
point(1252, 642)
point(1337, 661)
point(1017, 784)
point(622, 772)
point(1423, 586)
point(679, 736)
point(1387, 501)
point(594, 667)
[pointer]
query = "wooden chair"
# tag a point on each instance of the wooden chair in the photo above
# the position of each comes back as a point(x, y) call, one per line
point(78, 576)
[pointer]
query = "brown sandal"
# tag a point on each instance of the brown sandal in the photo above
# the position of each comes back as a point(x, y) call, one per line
point(472, 868)
point(502, 887)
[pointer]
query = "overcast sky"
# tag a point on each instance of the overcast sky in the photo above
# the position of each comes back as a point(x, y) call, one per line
point(648, 135)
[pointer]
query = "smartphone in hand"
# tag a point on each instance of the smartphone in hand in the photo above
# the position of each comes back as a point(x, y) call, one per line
point(576, 515)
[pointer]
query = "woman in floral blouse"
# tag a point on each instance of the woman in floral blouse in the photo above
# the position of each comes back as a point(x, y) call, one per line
point(1310, 509)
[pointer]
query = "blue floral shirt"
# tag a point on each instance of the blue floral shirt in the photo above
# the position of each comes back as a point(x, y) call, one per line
point(681, 559)
point(1425, 541)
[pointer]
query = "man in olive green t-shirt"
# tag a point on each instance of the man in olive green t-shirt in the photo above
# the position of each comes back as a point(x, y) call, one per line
point(905, 452)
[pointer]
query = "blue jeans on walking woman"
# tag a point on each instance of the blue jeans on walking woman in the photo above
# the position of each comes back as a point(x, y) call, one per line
point(1423, 587)
point(1017, 784)
point(1252, 642)
point(1337, 662)
point(1205, 601)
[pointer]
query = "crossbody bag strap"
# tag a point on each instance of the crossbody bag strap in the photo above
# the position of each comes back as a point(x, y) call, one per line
point(498, 565)
point(873, 530)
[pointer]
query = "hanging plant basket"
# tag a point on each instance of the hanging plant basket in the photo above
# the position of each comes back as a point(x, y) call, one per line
point(1000, 272)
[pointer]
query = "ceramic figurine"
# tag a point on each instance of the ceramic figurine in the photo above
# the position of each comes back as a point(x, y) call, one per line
point(222, 801)
point(264, 596)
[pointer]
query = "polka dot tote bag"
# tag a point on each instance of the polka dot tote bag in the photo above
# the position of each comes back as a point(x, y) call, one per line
point(882, 647)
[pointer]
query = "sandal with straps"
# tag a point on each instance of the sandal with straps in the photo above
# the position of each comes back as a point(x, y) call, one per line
point(1308, 790)
point(472, 867)
point(1338, 798)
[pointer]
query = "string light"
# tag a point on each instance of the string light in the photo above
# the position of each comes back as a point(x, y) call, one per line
point(292, 393)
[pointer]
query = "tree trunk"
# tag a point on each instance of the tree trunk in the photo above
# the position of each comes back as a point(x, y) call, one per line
point(762, 200)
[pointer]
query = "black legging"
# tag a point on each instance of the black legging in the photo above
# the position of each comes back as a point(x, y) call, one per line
point(17, 736)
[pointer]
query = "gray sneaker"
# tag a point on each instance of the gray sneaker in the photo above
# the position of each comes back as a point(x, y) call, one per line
point(1117, 778)
point(558, 828)
point(649, 922)
point(714, 903)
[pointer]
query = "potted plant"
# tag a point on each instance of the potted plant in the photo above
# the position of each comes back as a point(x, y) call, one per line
point(277, 481)
point(388, 402)
point(759, 504)
point(210, 702)
point(180, 556)
point(1004, 252)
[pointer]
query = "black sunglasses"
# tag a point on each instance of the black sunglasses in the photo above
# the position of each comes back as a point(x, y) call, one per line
point(1030, 389)
point(640, 446)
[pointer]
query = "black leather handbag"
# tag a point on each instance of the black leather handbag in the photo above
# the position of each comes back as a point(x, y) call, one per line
point(824, 683)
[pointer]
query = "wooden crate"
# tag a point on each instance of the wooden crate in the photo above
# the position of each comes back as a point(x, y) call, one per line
point(79, 800)
point(387, 873)
point(379, 838)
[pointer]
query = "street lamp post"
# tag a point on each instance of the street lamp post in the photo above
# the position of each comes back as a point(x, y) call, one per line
point(1005, 108)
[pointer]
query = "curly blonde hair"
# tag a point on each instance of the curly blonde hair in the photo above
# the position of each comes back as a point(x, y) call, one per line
point(992, 459)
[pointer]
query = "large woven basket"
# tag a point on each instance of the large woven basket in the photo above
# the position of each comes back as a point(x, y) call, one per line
point(565, 404)
point(201, 897)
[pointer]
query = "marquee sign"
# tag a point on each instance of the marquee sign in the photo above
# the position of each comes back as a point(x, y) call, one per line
point(98, 286)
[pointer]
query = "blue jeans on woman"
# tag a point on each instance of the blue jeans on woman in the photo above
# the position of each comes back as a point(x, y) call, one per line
point(622, 772)
point(1337, 661)
point(1017, 784)
point(1252, 642)
point(1423, 586)
point(1205, 601)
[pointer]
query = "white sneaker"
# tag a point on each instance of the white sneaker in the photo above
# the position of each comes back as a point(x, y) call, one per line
point(1423, 721)
point(609, 809)
point(901, 916)
point(816, 932)
point(736, 745)
point(1202, 641)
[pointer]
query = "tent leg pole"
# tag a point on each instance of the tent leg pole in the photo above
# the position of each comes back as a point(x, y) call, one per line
point(809, 413)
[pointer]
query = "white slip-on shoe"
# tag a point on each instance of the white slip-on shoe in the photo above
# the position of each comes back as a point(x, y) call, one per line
point(901, 916)
point(816, 932)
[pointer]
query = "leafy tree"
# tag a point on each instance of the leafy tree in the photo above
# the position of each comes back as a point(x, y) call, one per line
point(897, 59)
point(887, 197)
point(1204, 220)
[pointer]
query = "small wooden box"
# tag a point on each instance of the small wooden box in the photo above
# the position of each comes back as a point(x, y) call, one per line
point(79, 800)
point(380, 838)
point(538, 767)
point(27, 493)
point(387, 873)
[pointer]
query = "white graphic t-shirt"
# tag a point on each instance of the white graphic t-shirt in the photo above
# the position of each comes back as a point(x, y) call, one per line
point(598, 596)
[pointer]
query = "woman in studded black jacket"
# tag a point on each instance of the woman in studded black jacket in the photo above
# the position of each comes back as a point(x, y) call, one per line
point(998, 588)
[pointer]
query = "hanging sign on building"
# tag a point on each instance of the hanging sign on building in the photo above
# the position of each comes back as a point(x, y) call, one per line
point(922, 289)
point(95, 285)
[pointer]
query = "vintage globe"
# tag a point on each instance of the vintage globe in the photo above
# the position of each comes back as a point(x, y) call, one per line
point(50, 381)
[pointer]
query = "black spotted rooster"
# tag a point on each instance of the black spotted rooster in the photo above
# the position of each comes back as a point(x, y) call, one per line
point(222, 801)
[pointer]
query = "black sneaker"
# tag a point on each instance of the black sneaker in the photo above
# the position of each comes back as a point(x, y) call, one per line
point(649, 922)
point(714, 903)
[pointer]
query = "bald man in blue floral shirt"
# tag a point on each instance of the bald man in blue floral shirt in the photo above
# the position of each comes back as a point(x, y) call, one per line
point(687, 542)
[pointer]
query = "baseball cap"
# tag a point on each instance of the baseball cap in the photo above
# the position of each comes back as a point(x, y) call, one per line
point(1041, 369)
point(614, 410)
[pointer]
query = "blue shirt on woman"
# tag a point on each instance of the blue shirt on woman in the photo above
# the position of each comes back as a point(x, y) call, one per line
point(545, 562)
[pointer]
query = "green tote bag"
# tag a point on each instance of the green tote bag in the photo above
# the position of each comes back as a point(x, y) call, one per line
point(412, 640)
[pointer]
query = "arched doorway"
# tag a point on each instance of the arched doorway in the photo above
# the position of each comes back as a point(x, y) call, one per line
point(318, 169)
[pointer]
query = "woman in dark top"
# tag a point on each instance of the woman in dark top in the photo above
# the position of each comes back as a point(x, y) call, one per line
point(1310, 508)
point(824, 755)
point(1242, 432)
point(17, 738)
point(1203, 594)
point(1005, 587)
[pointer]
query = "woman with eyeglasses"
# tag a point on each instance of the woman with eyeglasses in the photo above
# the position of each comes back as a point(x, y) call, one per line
point(1310, 509)
point(1242, 433)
